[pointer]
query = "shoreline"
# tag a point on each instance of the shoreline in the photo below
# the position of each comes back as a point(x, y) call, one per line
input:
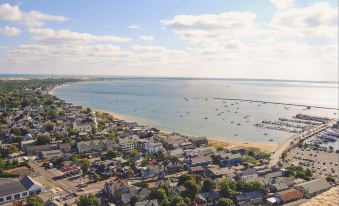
point(213, 141)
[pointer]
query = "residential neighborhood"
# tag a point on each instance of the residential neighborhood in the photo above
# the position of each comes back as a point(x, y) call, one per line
point(66, 154)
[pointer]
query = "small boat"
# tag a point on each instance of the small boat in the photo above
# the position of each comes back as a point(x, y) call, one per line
point(232, 122)
point(205, 118)
point(265, 134)
point(271, 140)
point(238, 124)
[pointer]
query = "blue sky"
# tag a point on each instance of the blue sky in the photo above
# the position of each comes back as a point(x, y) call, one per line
point(196, 38)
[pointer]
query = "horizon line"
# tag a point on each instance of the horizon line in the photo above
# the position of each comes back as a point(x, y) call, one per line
point(103, 76)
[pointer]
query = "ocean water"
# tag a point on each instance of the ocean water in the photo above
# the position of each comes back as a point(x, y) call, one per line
point(189, 106)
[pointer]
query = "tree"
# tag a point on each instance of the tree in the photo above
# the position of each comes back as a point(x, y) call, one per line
point(49, 126)
point(74, 158)
point(85, 164)
point(88, 200)
point(134, 199)
point(43, 140)
point(192, 189)
point(208, 185)
point(183, 178)
point(176, 200)
point(227, 188)
point(111, 154)
point(174, 159)
point(159, 194)
point(35, 201)
point(12, 149)
point(330, 179)
point(225, 202)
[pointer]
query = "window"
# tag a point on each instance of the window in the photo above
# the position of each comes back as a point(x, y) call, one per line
point(1, 199)
point(24, 194)
point(9, 197)
point(37, 191)
point(31, 192)
point(16, 196)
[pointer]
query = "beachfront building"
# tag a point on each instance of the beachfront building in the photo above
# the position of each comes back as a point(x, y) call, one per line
point(94, 146)
point(127, 144)
point(85, 124)
point(153, 147)
point(21, 189)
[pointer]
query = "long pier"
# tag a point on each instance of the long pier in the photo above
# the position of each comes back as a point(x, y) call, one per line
point(270, 102)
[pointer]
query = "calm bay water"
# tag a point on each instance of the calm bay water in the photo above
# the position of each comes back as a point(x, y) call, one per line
point(190, 107)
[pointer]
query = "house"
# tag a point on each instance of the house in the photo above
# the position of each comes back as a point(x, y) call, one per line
point(212, 197)
point(198, 170)
point(147, 203)
point(153, 147)
point(152, 171)
point(174, 140)
point(26, 187)
point(290, 195)
point(249, 198)
point(186, 145)
point(228, 159)
point(50, 155)
point(200, 161)
point(217, 172)
point(35, 149)
point(25, 143)
point(84, 125)
point(93, 146)
point(114, 188)
point(127, 144)
point(247, 174)
point(177, 152)
point(199, 141)
point(65, 147)
point(313, 187)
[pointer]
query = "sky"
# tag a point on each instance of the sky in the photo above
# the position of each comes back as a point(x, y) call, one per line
point(266, 39)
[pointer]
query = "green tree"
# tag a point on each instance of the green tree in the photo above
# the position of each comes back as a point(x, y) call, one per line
point(134, 199)
point(85, 164)
point(88, 200)
point(35, 201)
point(176, 200)
point(49, 126)
point(185, 177)
point(225, 202)
point(227, 188)
point(208, 185)
point(192, 189)
point(159, 194)
point(41, 140)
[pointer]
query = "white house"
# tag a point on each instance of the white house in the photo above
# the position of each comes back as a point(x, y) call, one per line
point(21, 189)
point(153, 147)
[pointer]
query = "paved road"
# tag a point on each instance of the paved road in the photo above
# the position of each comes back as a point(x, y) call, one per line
point(276, 156)
point(48, 175)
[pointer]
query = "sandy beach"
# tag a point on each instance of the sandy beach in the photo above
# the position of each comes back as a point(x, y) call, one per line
point(231, 144)
point(213, 142)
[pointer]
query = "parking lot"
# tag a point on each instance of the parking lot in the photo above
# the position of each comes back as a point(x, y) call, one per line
point(321, 163)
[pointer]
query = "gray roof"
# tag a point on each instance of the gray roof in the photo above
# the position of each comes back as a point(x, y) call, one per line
point(12, 188)
point(147, 203)
point(17, 187)
point(314, 186)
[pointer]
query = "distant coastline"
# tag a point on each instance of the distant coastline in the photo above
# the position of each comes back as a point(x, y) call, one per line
point(215, 142)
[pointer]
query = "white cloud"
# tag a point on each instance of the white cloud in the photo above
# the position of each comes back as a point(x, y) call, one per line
point(135, 26)
point(297, 43)
point(48, 35)
point(31, 19)
point(10, 31)
point(283, 4)
point(147, 37)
